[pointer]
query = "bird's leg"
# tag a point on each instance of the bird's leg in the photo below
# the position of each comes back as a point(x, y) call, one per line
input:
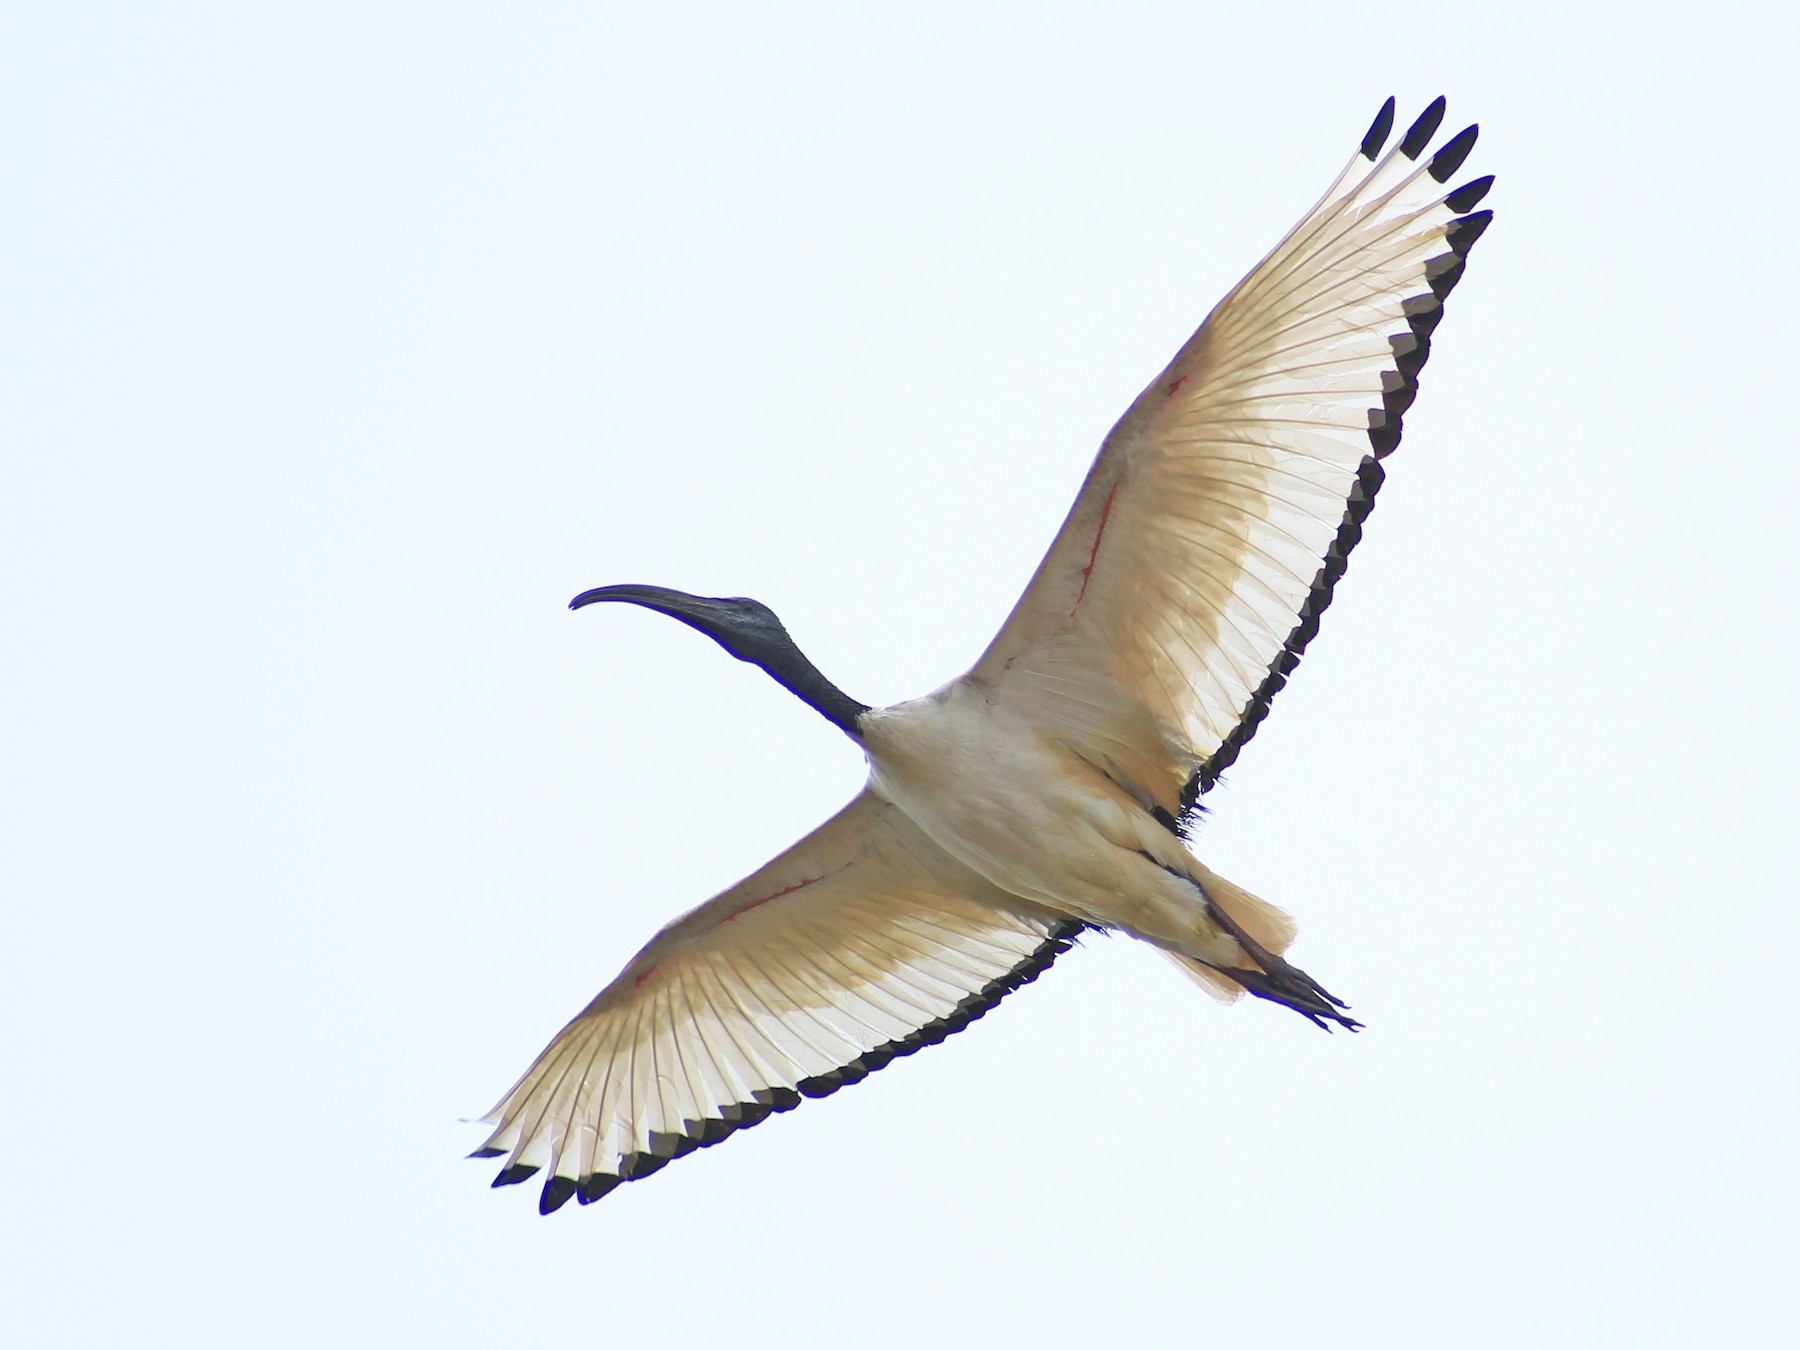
point(1293, 988)
point(1277, 980)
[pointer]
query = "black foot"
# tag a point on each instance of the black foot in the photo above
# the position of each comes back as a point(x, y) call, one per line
point(1278, 981)
point(1293, 988)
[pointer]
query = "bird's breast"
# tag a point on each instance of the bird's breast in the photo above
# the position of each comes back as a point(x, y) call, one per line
point(997, 794)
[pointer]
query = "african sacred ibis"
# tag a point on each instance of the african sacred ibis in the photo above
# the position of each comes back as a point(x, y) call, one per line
point(1044, 792)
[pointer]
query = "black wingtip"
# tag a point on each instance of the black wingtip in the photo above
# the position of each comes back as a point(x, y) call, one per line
point(1379, 131)
point(1442, 274)
point(1469, 194)
point(1462, 234)
point(1385, 438)
point(1455, 150)
point(512, 1176)
point(1423, 314)
point(637, 1166)
point(1419, 135)
point(1397, 395)
point(598, 1185)
point(557, 1191)
point(488, 1153)
point(777, 1098)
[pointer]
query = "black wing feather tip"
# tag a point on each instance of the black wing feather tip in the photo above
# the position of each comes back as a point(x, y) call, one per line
point(1443, 278)
point(1470, 193)
point(1423, 314)
point(1455, 150)
point(710, 1132)
point(1379, 130)
point(557, 1191)
point(1397, 392)
point(637, 1166)
point(670, 1145)
point(1419, 135)
point(512, 1176)
point(1463, 232)
point(488, 1153)
point(742, 1115)
point(597, 1185)
point(665, 1148)
point(1413, 349)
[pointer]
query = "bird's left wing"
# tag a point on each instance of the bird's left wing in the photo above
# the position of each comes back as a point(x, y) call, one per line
point(1201, 551)
point(862, 943)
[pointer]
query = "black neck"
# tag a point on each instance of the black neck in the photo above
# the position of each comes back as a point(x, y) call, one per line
point(800, 677)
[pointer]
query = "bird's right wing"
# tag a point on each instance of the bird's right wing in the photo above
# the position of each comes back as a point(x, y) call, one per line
point(1201, 551)
point(862, 943)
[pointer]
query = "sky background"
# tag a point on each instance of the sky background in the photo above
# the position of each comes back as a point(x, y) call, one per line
point(343, 343)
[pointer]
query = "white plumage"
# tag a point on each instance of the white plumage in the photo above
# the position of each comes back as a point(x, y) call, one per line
point(1043, 791)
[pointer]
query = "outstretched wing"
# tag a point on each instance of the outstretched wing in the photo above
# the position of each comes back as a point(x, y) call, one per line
point(1204, 545)
point(862, 943)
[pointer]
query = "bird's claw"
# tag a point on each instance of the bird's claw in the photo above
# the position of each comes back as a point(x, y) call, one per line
point(1278, 980)
point(1293, 988)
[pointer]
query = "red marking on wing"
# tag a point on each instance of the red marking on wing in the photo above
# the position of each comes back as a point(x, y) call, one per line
point(785, 890)
point(1094, 552)
point(638, 983)
point(1175, 386)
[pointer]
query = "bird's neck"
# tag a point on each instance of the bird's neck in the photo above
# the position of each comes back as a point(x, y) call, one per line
point(800, 677)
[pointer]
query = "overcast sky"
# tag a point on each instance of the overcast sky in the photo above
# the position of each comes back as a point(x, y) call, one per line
point(343, 343)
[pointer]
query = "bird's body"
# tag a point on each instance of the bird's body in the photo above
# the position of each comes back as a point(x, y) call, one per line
point(1031, 816)
point(1045, 791)
point(996, 794)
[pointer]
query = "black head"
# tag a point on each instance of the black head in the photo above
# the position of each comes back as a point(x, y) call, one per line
point(749, 630)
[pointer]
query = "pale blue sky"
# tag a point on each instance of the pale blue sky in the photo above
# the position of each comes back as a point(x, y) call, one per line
point(342, 344)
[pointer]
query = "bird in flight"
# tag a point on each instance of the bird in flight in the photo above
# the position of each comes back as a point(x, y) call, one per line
point(1046, 791)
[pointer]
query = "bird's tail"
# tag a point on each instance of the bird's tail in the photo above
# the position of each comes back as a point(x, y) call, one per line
point(1221, 987)
point(1271, 927)
point(1261, 933)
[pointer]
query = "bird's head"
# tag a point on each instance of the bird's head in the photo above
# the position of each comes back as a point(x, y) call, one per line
point(748, 629)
